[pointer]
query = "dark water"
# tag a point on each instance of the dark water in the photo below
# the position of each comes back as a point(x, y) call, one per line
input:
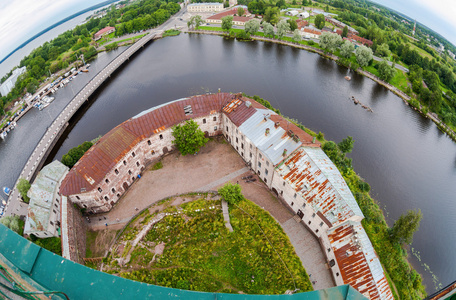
point(407, 161)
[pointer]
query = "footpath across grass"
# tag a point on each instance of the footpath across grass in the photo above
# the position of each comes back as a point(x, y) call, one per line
point(200, 254)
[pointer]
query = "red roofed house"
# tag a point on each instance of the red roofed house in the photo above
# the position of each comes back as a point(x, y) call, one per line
point(102, 32)
point(237, 20)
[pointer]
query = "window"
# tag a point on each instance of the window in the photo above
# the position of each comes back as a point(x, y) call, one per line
point(56, 206)
point(237, 148)
point(266, 171)
point(260, 156)
point(242, 145)
point(237, 131)
point(117, 171)
point(107, 180)
point(226, 128)
point(100, 190)
point(57, 200)
point(295, 195)
point(284, 183)
point(321, 224)
point(304, 204)
point(250, 146)
point(310, 222)
point(50, 222)
point(85, 206)
point(215, 119)
point(292, 203)
point(118, 195)
point(259, 164)
point(215, 128)
point(132, 179)
point(133, 154)
point(106, 198)
point(313, 215)
point(204, 121)
point(77, 197)
point(152, 152)
point(137, 164)
point(329, 249)
point(265, 180)
point(113, 190)
point(129, 172)
point(125, 162)
point(149, 143)
point(161, 136)
point(54, 211)
point(250, 155)
point(237, 140)
point(242, 137)
point(45, 233)
point(242, 153)
point(259, 172)
point(267, 163)
point(316, 231)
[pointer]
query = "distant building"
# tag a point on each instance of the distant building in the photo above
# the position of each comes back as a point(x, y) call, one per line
point(340, 24)
point(304, 14)
point(43, 217)
point(233, 2)
point(103, 32)
point(205, 7)
point(292, 13)
point(9, 83)
point(237, 20)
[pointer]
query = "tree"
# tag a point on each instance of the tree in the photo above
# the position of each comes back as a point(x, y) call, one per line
point(188, 138)
point(231, 193)
point(363, 55)
point(385, 71)
point(304, 2)
point(346, 50)
point(320, 21)
point(330, 41)
point(74, 154)
point(282, 28)
point(240, 11)
point(293, 24)
point(383, 50)
point(297, 37)
point(227, 23)
point(271, 15)
point(252, 26)
point(23, 187)
point(345, 31)
point(346, 146)
point(14, 223)
point(404, 228)
point(268, 29)
point(195, 22)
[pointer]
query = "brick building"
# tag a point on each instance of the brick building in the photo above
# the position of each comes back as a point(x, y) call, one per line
point(287, 159)
point(102, 32)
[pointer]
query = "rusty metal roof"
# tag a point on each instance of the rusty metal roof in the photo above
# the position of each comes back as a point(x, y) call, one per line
point(315, 177)
point(238, 110)
point(358, 262)
point(106, 153)
point(41, 195)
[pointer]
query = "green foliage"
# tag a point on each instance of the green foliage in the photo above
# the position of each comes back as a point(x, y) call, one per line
point(346, 49)
point(271, 16)
point(320, 21)
point(330, 41)
point(240, 11)
point(14, 223)
point(346, 146)
point(282, 28)
point(74, 154)
point(297, 37)
point(345, 31)
point(111, 46)
point(383, 50)
point(268, 29)
point(227, 23)
point(157, 166)
point(195, 22)
point(405, 227)
point(188, 138)
point(23, 186)
point(363, 55)
point(231, 193)
point(385, 71)
point(202, 255)
point(252, 26)
point(52, 244)
point(293, 24)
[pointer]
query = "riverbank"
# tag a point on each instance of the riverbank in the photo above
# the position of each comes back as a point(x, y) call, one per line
point(406, 98)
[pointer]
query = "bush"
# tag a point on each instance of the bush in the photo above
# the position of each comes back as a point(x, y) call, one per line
point(23, 187)
point(231, 193)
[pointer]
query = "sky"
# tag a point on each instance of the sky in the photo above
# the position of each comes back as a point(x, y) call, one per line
point(21, 19)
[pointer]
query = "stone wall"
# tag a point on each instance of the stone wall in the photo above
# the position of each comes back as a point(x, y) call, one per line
point(73, 232)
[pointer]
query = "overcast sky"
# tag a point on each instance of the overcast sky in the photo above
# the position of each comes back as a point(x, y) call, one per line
point(21, 19)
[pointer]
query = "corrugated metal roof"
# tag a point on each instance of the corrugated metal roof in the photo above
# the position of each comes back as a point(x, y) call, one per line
point(41, 195)
point(357, 260)
point(238, 111)
point(273, 143)
point(106, 153)
point(315, 177)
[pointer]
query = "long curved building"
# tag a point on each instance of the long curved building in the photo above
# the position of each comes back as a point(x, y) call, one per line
point(288, 160)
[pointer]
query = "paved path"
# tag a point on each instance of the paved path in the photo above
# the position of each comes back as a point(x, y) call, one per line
point(309, 251)
point(226, 215)
point(211, 186)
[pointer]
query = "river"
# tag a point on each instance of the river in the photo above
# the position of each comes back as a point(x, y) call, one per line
point(407, 161)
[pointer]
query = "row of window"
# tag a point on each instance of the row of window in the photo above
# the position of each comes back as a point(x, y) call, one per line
point(213, 119)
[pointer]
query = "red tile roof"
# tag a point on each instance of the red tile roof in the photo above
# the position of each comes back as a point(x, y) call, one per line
point(232, 12)
point(101, 31)
point(111, 148)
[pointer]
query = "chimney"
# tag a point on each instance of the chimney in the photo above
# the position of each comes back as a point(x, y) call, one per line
point(267, 131)
point(284, 152)
point(266, 117)
point(248, 103)
point(276, 125)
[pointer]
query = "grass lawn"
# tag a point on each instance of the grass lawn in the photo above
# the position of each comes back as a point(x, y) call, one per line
point(399, 80)
point(420, 51)
point(132, 38)
point(201, 254)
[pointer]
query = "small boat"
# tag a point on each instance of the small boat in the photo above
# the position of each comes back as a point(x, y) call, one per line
point(85, 70)
point(3, 135)
point(6, 190)
point(348, 77)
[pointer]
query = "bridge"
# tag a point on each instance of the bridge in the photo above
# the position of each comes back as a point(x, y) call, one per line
point(56, 129)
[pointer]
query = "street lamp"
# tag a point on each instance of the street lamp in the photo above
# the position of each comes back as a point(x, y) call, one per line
point(82, 56)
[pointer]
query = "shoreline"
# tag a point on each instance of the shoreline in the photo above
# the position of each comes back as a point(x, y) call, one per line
point(406, 98)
